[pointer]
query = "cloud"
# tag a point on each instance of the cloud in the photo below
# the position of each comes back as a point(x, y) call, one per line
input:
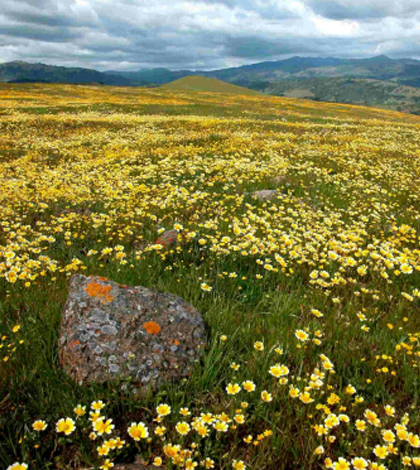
point(203, 34)
point(364, 10)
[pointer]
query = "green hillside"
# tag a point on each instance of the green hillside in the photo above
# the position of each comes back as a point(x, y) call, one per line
point(212, 85)
point(24, 72)
point(387, 94)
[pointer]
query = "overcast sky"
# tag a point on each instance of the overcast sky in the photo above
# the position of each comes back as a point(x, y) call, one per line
point(203, 34)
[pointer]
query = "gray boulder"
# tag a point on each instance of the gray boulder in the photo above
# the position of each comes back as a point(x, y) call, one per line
point(110, 330)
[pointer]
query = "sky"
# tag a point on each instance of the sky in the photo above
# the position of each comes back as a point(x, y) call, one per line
point(203, 34)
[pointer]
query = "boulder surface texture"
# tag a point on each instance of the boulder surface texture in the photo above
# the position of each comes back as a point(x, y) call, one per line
point(110, 330)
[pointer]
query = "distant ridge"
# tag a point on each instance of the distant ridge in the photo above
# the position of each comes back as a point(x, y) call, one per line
point(24, 72)
point(213, 85)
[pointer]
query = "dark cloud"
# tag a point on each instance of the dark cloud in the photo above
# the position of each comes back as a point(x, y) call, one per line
point(254, 47)
point(42, 19)
point(203, 34)
point(336, 11)
point(364, 9)
point(35, 3)
point(36, 33)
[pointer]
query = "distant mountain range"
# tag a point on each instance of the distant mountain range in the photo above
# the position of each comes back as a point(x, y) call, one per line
point(378, 81)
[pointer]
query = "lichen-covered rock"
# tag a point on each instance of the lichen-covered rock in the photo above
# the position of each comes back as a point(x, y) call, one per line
point(168, 239)
point(109, 331)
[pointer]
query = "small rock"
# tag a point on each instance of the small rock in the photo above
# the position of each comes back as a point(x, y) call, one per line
point(168, 239)
point(265, 194)
point(279, 179)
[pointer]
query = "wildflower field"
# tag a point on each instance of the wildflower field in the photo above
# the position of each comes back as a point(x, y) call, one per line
point(311, 299)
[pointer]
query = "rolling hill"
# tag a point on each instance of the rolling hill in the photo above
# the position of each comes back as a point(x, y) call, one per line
point(205, 84)
point(387, 94)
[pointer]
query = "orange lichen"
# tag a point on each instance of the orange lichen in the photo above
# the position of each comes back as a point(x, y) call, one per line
point(152, 327)
point(94, 289)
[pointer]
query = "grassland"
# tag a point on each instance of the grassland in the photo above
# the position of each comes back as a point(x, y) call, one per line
point(312, 298)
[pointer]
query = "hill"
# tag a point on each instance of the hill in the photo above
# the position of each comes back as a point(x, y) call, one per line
point(385, 94)
point(24, 72)
point(200, 83)
point(380, 67)
point(378, 81)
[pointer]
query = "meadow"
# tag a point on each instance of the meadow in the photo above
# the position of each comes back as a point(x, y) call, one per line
point(311, 299)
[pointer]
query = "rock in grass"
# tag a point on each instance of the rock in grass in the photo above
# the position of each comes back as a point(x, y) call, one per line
point(265, 194)
point(280, 179)
point(168, 239)
point(109, 331)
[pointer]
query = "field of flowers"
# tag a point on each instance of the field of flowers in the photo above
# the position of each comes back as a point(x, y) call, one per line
point(311, 299)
